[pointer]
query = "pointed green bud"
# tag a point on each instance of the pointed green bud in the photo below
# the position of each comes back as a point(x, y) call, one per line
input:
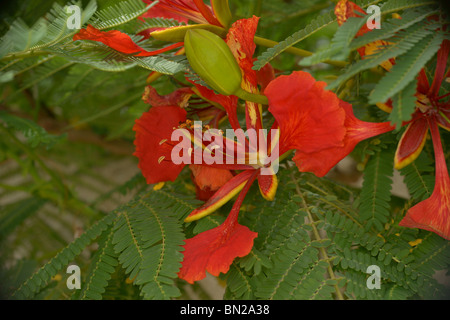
point(211, 58)
point(222, 12)
point(177, 34)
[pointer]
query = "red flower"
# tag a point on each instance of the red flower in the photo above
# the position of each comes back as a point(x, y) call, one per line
point(432, 214)
point(214, 250)
point(312, 121)
point(119, 41)
point(154, 130)
point(315, 122)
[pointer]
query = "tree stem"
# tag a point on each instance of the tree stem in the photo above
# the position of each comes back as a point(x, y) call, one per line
point(296, 51)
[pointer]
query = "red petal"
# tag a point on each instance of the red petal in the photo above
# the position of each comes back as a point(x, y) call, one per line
point(222, 196)
point(207, 12)
point(179, 97)
point(322, 161)
point(152, 128)
point(181, 10)
point(310, 118)
point(433, 214)
point(229, 103)
point(441, 65)
point(209, 177)
point(422, 82)
point(443, 118)
point(240, 40)
point(411, 143)
point(214, 250)
point(265, 75)
point(119, 41)
point(163, 11)
point(268, 186)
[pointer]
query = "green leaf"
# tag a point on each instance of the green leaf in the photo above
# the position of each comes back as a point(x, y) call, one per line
point(102, 266)
point(40, 278)
point(406, 68)
point(404, 41)
point(419, 177)
point(391, 27)
point(316, 25)
point(118, 14)
point(34, 133)
point(374, 206)
point(404, 104)
point(14, 214)
point(339, 46)
point(148, 240)
point(47, 31)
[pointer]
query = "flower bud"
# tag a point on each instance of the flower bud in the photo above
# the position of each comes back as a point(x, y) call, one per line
point(211, 58)
point(222, 12)
point(177, 34)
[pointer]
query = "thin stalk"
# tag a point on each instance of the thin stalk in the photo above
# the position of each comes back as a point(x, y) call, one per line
point(296, 51)
point(317, 236)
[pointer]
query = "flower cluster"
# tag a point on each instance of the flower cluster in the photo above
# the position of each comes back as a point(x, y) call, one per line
point(306, 119)
point(431, 112)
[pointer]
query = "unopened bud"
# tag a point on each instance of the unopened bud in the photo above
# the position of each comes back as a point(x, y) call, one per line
point(211, 58)
point(222, 12)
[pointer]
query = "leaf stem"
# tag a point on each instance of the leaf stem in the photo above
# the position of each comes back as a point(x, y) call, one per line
point(296, 51)
point(316, 235)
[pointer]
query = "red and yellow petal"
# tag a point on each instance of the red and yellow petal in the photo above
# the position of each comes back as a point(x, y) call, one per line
point(214, 250)
point(268, 185)
point(411, 143)
point(240, 40)
point(222, 196)
point(433, 214)
point(386, 107)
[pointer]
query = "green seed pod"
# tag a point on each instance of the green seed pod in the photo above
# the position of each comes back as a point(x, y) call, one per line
point(210, 57)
